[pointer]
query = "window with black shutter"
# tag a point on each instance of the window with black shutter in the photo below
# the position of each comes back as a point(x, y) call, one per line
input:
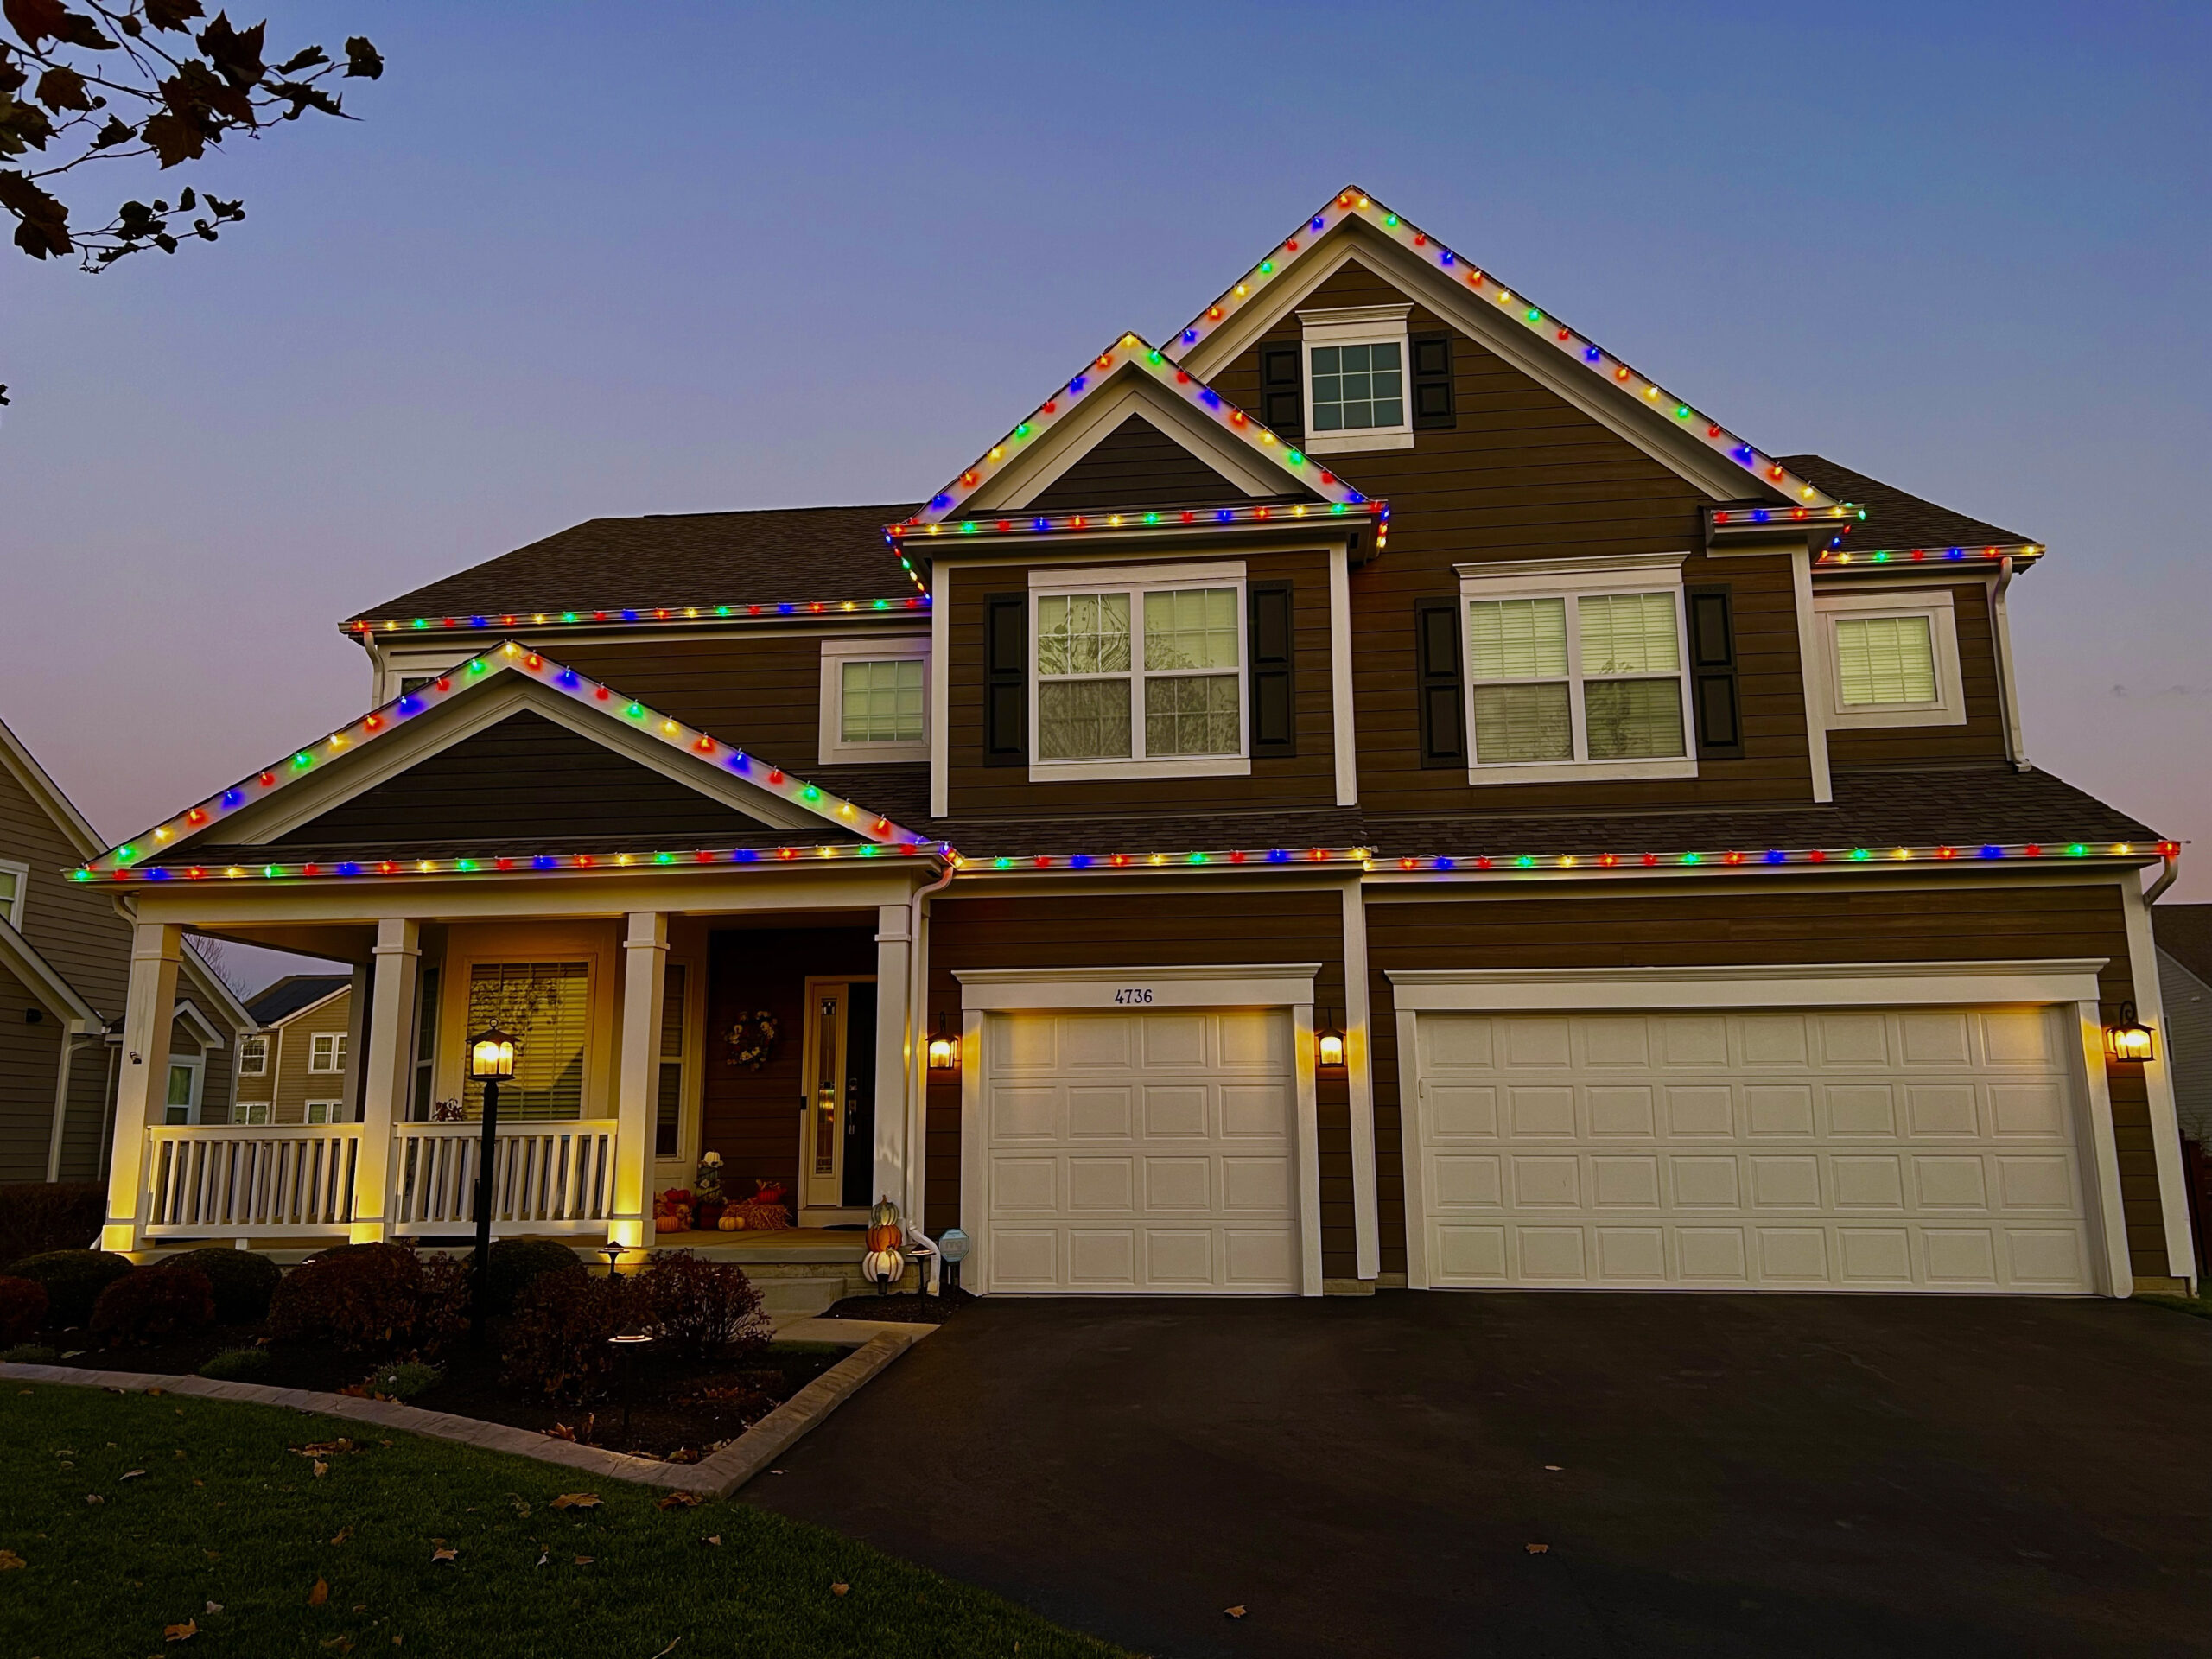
point(1283, 391)
point(1006, 680)
point(1443, 705)
point(1269, 640)
point(1432, 410)
point(1713, 673)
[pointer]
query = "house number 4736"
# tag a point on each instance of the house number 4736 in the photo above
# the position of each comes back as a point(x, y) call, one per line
point(1133, 995)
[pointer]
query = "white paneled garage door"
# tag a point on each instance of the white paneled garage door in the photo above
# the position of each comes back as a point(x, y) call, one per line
point(1923, 1148)
point(1139, 1152)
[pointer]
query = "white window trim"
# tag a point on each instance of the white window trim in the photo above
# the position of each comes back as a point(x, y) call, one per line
point(333, 1111)
point(337, 1067)
point(1949, 707)
point(1357, 325)
point(1577, 579)
point(834, 750)
point(197, 1064)
point(12, 912)
point(1133, 580)
point(245, 1041)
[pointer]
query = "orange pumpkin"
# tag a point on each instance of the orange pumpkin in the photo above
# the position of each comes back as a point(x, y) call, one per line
point(886, 1238)
point(668, 1224)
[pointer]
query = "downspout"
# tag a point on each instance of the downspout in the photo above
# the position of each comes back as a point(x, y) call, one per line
point(2008, 690)
point(107, 1105)
point(918, 1057)
point(71, 1042)
point(2166, 879)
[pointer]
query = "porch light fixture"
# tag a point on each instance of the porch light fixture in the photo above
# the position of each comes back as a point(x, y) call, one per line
point(945, 1051)
point(1329, 1051)
point(491, 1062)
point(2129, 1038)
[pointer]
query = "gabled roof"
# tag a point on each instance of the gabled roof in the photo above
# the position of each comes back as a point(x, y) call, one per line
point(1897, 522)
point(1131, 354)
point(18, 759)
point(709, 561)
point(43, 980)
point(295, 993)
point(1620, 379)
point(200, 823)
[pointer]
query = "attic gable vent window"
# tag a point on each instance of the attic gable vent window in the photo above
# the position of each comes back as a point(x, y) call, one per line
point(1357, 362)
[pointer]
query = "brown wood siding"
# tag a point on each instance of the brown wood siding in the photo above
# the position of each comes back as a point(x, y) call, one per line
point(526, 776)
point(762, 694)
point(293, 1084)
point(1305, 779)
point(1822, 925)
point(1523, 474)
point(1131, 928)
point(1135, 465)
point(29, 1055)
point(1982, 736)
point(751, 1117)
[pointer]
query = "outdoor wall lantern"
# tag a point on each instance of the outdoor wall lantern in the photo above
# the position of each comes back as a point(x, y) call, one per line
point(944, 1052)
point(2129, 1039)
point(491, 1061)
point(1329, 1052)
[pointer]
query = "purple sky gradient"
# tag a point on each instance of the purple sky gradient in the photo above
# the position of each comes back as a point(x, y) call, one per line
point(587, 259)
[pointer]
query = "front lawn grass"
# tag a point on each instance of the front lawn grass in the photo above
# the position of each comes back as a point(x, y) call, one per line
point(224, 1511)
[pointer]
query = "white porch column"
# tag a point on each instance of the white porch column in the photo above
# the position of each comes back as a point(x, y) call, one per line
point(387, 1069)
point(894, 1060)
point(644, 956)
point(149, 1009)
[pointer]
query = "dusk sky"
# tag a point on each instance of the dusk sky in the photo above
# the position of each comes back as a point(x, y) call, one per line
point(579, 260)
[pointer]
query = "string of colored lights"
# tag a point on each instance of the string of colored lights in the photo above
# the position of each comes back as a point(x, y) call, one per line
point(1353, 203)
point(510, 657)
point(1131, 352)
point(1249, 858)
point(1170, 518)
point(486, 621)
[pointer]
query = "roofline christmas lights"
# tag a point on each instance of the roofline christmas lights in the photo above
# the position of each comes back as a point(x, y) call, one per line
point(1165, 519)
point(488, 621)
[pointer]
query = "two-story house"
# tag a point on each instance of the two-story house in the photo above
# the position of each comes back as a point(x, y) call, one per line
point(1368, 789)
point(292, 1069)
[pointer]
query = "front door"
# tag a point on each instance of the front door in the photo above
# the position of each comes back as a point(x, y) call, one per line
point(837, 1141)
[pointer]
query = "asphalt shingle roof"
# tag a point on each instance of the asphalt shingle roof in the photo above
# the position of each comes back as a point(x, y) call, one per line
point(1896, 520)
point(291, 993)
point(2185, 932)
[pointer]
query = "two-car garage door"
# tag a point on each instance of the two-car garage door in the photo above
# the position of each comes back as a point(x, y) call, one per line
point(1863, 1148)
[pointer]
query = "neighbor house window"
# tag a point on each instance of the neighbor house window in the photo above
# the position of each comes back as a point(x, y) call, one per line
point(1893, 658)
point(1358, 360)
point(1574, 678)
point(180, 1104)
point(874, 699)
point(253, 1056)
point(325, 1111)
point(1141, 676)
point(327, 1052)
point(257, 1111)
point(547, 1004)
point(14, 879)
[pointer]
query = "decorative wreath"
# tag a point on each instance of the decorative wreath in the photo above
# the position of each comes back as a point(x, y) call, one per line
point(752, 1039)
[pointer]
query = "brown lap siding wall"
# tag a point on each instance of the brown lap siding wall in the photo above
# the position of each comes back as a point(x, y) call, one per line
point(1127, 926)
point(1839, 922)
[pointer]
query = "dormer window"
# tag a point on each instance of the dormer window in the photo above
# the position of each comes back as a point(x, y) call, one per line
point(1357, 365)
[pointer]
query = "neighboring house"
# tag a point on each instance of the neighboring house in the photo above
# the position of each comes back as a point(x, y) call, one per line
point(65, 959)
point(1371, 790)
point(292, 1068)
point(2184, 936)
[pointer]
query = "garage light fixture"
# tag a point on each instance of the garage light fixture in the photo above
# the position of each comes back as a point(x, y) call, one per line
point(944, 1052)
point(2129, 1039)
point(1329, 1051)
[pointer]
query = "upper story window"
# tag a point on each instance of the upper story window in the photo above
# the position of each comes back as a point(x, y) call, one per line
point(1138, 671)
point(1893, 658)
point(15, 884)
point(1575, 669)
point(874, 699)
point(327, 1052)
point(253, 1056)
point(1357, 364)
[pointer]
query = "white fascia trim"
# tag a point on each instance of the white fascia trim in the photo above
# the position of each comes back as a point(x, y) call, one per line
point(1949, 707)
point(2158, 1083)
point(831, 749)
point(1266, 985)
point(1856, 984)
point(1091, 578)
point(1342, 723)
point(188, 1011)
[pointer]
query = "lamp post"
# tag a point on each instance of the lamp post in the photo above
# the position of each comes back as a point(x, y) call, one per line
point(490, 1060)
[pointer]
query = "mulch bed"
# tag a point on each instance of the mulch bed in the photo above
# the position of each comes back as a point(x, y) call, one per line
point(679, 1408)
point(905, 1308)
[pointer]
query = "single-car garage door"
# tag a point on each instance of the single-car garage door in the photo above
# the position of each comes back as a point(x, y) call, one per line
point(1142, 1151)
point(1922, 1149)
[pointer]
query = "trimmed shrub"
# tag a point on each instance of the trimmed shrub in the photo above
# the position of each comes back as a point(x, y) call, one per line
point(149, 1303)
point(404, 1381)
point(555, 1343)
point(37, 1216)
point(515, 1264)
point(356, 1297)
point(30, 1353)
point(706, 1310)
point(238, 1365)
point(74, 1280)
point(22, 1308)
point(244, 1282)
point(443, 1306)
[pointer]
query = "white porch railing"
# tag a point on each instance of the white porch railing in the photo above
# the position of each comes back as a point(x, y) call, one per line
point(250, 1182)
point(546, 1177)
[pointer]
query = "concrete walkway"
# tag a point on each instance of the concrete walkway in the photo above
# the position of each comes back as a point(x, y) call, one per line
point(1735, 1475)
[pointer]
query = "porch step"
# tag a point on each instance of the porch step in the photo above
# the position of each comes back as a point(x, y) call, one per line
point(790, 1296)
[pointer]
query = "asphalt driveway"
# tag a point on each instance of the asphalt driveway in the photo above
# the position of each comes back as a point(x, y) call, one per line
point(1749, 1475)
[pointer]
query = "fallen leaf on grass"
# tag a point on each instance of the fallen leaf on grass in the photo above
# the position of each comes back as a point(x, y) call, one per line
point(94, 1498)
point(320, 1468)
point(9, 1560)
point(444, 1555)
point(214, 1607)
point(680, 1501)
point(320, 1594)
point(714, 1538)
point(1537, 1549)
point(576, 1501)
point(155, 1394)
point(344, 1533)
point(522, 1505)
point(840, 1589)
point(1552, 1467)
point(213, 1554)
point(543, 1556)
point(130, 1474)
point(559, 1432)
point(665, 1651)
point(585, 1560)
point(183, 1632)
point(1236, 1612)
point(338, 1645)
